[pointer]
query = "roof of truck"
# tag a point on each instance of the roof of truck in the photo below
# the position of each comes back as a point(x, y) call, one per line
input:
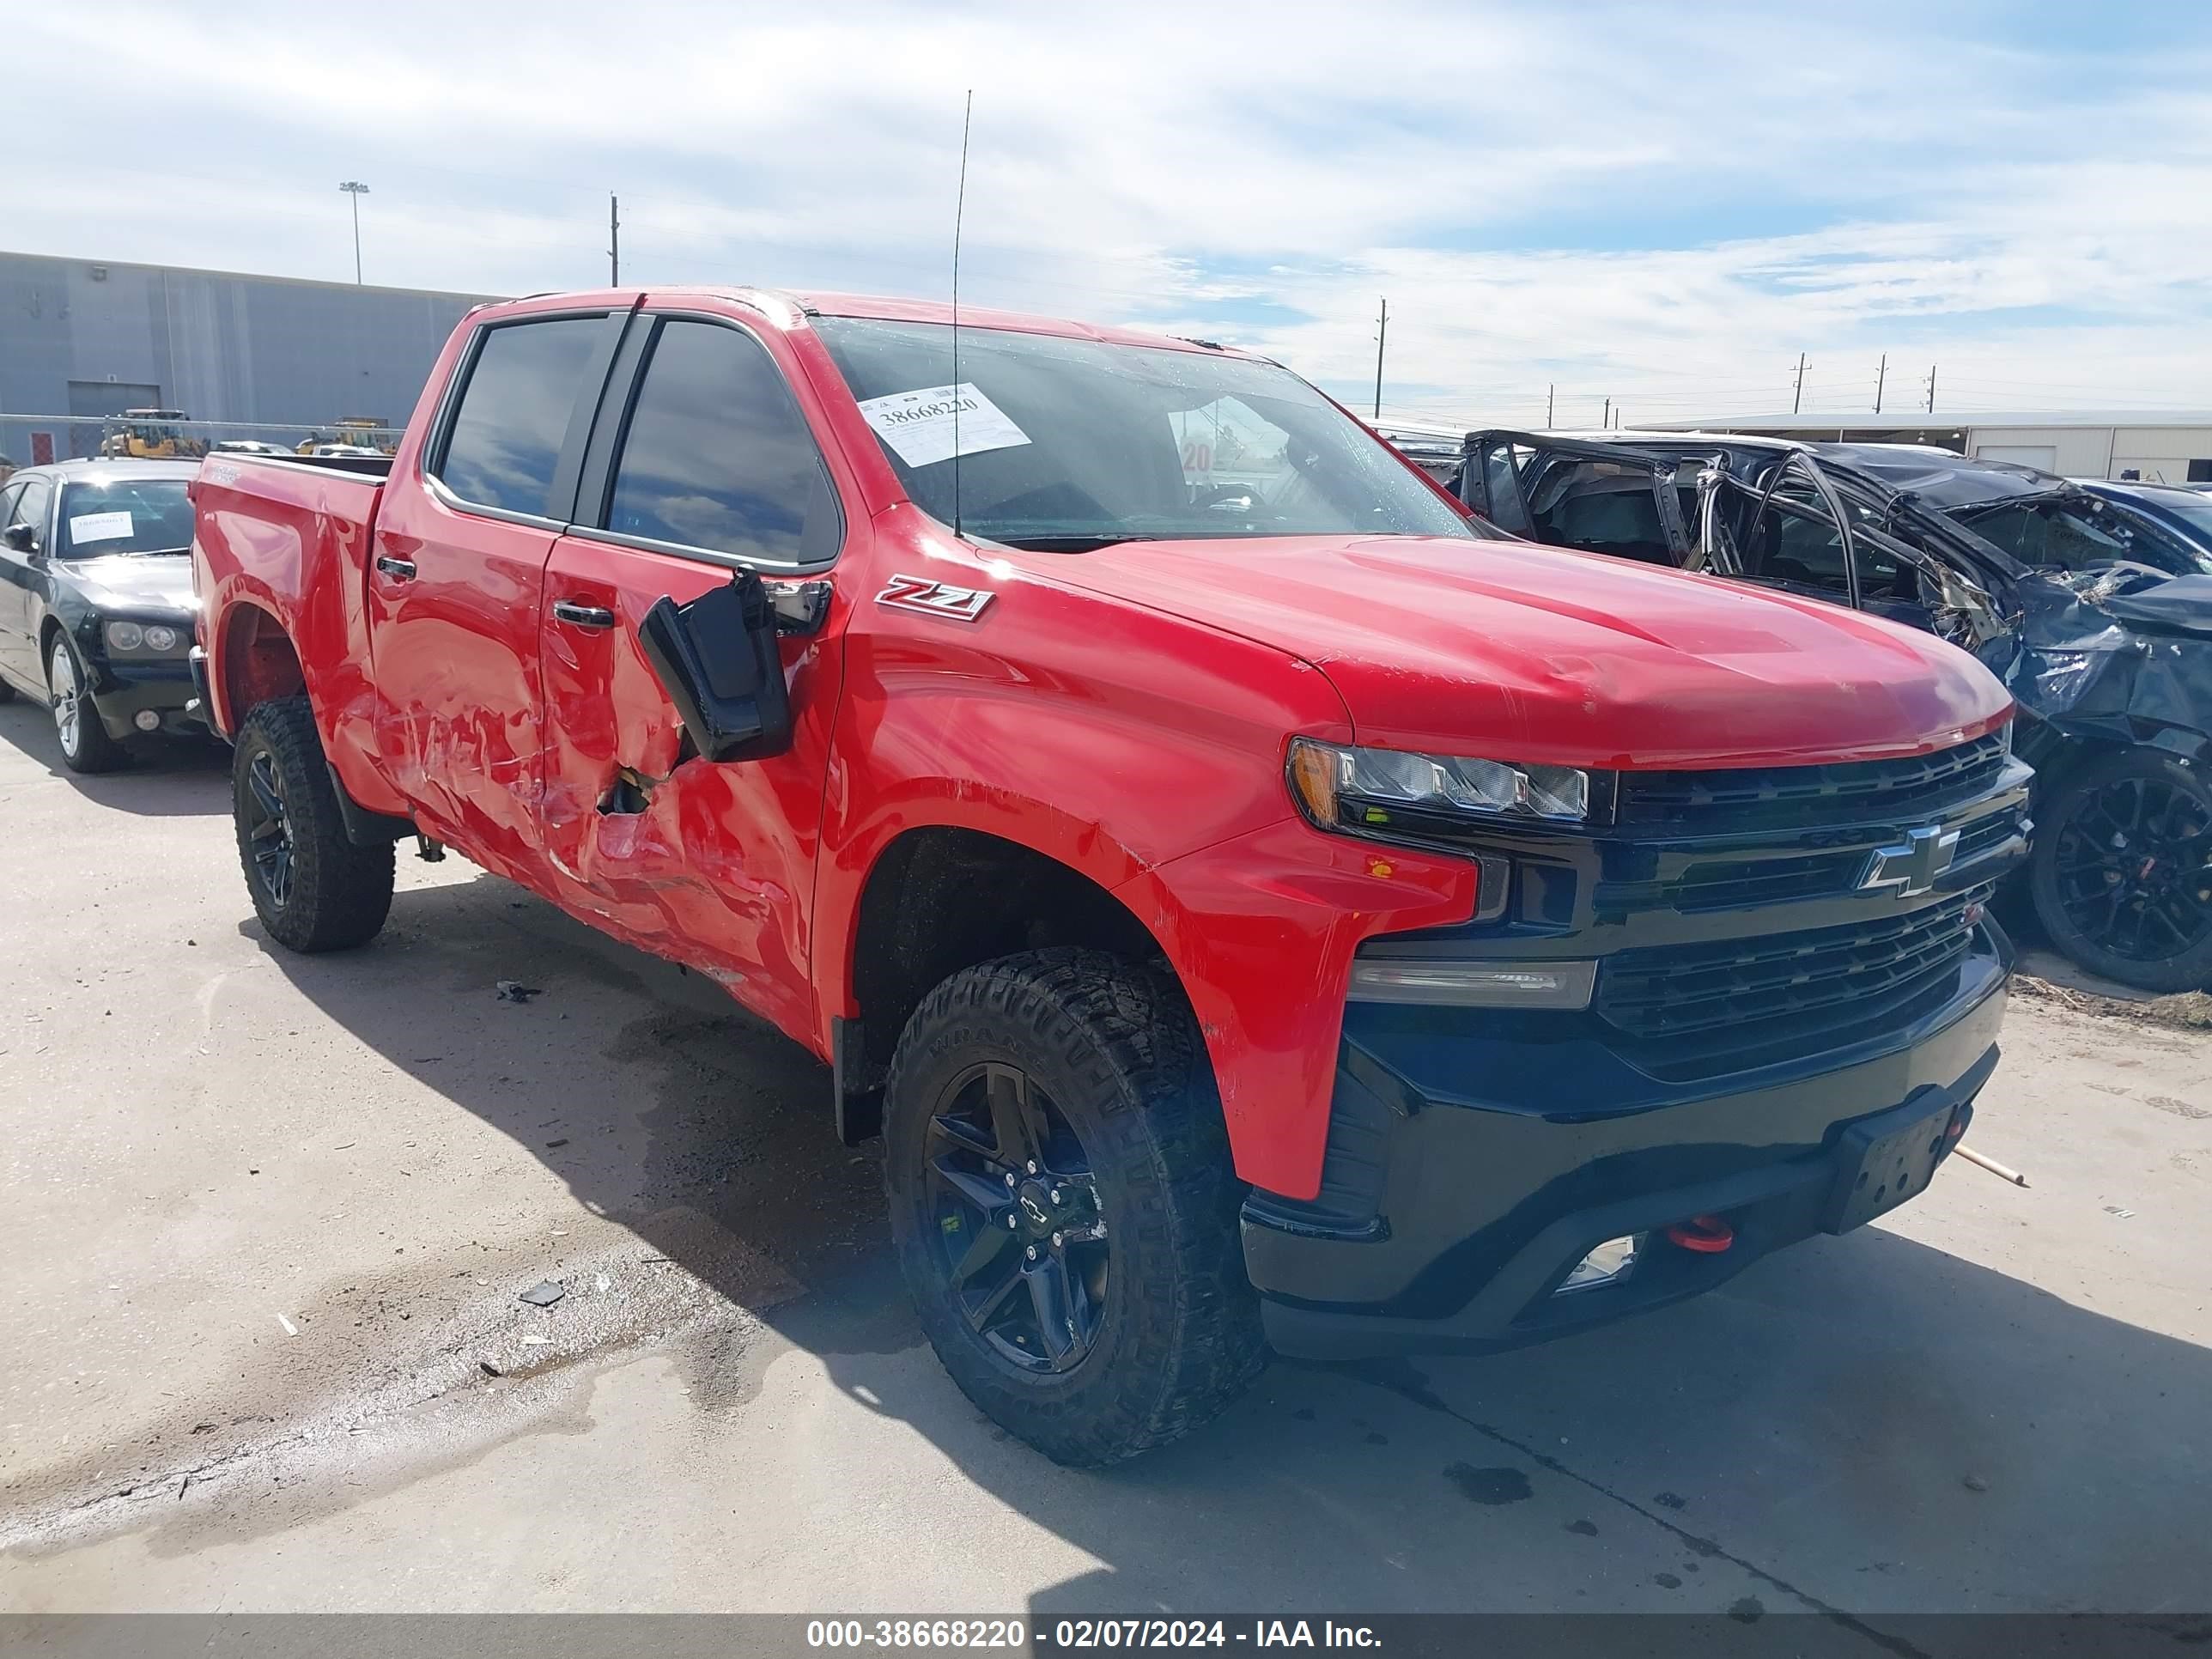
point(886, 308)
point(890, 308)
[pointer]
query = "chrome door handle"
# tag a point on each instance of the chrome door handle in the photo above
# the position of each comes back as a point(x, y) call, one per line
point(582, 616)
point(400, 570)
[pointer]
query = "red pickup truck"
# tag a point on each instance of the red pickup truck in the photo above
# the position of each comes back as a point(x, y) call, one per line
point(1257, 903)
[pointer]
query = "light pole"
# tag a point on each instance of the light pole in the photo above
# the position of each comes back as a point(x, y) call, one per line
point(356, 189)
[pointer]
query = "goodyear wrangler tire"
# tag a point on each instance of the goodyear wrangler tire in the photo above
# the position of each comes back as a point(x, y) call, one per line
point(1063, 1204)
point(312, 888)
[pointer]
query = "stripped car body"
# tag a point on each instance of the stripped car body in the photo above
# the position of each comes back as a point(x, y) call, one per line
point(2099, 622)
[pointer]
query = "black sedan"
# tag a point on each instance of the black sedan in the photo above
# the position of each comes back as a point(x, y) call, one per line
point(96, 601)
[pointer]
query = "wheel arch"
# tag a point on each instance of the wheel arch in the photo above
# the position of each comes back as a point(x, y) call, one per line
point(252, 660)
point(935, 899)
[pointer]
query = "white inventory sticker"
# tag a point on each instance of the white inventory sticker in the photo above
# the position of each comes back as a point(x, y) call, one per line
point(918, 424)
point(99, 527)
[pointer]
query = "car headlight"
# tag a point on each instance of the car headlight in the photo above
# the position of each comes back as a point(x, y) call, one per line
point(1347, 788)
point(125, 636)
point(160, 638)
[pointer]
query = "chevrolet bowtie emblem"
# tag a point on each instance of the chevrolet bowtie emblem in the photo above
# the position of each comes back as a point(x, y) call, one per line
point(1913, 865)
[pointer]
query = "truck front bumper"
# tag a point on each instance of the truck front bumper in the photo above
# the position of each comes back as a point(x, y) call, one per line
point(1482, 1207)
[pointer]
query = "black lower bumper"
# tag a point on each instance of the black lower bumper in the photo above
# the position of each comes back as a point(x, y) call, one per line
point(163, 689)
point(1486, 1206)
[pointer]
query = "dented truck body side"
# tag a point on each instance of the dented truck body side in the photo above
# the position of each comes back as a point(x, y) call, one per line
point(1123, 717)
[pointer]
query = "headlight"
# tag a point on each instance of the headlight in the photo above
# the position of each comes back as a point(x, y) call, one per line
point(160, 638)
point(1366, 788)
point(125, 636)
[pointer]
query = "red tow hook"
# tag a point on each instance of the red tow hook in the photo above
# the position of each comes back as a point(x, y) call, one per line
point(1708, 1235)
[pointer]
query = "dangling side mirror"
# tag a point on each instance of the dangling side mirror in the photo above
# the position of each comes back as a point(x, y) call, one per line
point(716, 659)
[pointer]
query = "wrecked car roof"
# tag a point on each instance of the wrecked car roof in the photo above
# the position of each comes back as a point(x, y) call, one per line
point(1941, 480)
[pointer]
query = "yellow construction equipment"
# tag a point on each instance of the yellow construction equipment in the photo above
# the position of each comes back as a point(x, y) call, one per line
point(150, 435)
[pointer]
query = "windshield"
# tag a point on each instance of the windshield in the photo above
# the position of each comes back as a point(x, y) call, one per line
point(2074, 532)
point(124, 515)
point(1066, 445)
point(2195, 512)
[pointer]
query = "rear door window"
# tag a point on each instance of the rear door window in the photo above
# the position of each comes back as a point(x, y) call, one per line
point(717, 455)
point(504, 446)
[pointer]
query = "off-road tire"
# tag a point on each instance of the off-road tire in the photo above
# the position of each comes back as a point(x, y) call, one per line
point(93, 752)
point(2186, 970)
point(1115, 1047)
point(339, 893)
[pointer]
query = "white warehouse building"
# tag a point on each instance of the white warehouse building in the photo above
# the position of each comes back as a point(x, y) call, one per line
point(2155, 447)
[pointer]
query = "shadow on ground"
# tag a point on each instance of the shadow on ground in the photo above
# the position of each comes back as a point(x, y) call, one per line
point(1865, 1422)
point(166, 777)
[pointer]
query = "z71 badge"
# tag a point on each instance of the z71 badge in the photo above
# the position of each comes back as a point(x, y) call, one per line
point(934, 598)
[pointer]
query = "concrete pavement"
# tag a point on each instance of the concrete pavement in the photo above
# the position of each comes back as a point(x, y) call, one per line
point(267, 1216)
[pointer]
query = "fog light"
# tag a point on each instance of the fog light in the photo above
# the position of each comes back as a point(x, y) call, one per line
point(147, 721)
point(1608, 1264)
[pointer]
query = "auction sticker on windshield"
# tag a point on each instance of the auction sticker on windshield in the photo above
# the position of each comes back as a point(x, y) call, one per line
point(920, 425)
point(99, 527)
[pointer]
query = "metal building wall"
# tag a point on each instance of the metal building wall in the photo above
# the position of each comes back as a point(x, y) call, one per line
point(220, 346)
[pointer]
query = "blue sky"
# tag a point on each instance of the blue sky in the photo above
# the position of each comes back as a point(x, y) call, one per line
point(1659, 205)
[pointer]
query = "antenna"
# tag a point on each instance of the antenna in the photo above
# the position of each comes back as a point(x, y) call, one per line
point(959, 211)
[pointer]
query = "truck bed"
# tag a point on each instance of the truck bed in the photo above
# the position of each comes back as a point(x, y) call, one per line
point(280, 547)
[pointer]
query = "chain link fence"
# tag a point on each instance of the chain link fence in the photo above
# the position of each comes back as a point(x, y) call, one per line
point(37, 439)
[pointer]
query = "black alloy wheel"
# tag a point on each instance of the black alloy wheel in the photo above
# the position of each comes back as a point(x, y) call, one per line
point(2122, 871)
point(1025, 1247)
point(314, 887)
point(267, 829)
point(1063, 1205)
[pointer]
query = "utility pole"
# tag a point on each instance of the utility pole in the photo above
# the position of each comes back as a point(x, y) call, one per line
point(1797, 401)
point(1382, 332)
point(614, 240)
point(1931, 388)
point(1605, 419)
point(1879, 376)
point(356, 189)
point(1551, 395)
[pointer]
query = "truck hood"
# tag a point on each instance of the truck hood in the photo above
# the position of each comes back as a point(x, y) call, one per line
point(134, 584)
point(1516, 652)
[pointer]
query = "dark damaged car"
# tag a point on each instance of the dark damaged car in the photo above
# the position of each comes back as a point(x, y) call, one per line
point(2097, 617)
point(96, 601)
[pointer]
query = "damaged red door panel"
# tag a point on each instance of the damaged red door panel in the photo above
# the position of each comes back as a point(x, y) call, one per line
point(712, 864)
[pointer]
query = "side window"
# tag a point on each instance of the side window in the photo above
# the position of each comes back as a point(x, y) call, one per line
point(506, 438)
point(717, 455)
point(9, 495)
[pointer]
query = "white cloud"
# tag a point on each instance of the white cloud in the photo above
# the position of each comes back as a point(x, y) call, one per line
point(1656, 206)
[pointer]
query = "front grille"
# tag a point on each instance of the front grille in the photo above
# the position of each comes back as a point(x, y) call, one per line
point(1735, 995)
point(1746, 883)
point(1789, 797)
point(1738, 884)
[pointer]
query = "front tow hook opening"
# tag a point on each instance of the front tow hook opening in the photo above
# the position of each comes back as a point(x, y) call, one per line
point(1707, 1235)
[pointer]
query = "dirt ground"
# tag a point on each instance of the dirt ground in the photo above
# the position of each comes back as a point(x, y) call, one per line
point(268, 1217)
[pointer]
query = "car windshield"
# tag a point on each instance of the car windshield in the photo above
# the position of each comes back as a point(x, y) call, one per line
point(1067, 444)
point(2077, 533)
point(2195, 511)
point(124, 515)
